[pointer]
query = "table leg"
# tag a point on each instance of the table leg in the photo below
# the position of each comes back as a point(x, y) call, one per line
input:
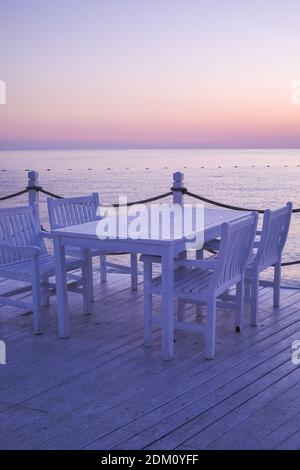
point(181, 302)
point(61, 289)
point(167, 304)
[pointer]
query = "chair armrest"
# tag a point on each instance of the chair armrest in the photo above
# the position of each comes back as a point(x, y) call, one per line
point(210, 263)
point(43, 234)
point(25, 250)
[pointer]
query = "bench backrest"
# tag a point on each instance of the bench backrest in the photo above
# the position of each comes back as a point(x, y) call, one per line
point(274, 234)
point(18, 227)
point(237, 239)
point(72, 211)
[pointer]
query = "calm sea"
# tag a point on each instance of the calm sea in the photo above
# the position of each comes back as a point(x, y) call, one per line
point(249, 178)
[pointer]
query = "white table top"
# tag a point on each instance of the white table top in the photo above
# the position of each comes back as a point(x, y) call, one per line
point(213, 219)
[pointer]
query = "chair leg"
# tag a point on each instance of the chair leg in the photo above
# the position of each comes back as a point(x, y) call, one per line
point(45, 295)
point(199, 308)
point(36, 297)
point(277, 279)
point(239, 315)
point(211, 329)
point(181, 310)
point(103, 273)
point(148, 339)
point(87, 275)
point(254, 299)
point(90, 276)
point(134, 271)
point(247, 291)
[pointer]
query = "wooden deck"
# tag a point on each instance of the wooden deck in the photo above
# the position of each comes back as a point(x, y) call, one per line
point(101, 389)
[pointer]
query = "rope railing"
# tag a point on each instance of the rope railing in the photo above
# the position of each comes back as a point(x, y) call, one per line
point(236, 208)
point(145, 201)
point(182, 190)
point(150, 199)
point(11, 196)
point(222, 204)
point(226, 206)
point(44, 191)
point(291, 263)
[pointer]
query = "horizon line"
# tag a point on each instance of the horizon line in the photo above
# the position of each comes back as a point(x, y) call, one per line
point(138, 147)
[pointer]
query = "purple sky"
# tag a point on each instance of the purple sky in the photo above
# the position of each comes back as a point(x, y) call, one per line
point(208, 73)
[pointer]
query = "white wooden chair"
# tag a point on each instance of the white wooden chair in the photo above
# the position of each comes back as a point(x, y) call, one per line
point(79, 210)
point(273, 237)
point(268, 252)
point(203, 281)
point(24, 257)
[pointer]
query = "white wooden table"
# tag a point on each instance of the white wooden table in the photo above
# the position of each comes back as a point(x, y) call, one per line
point(85, 237)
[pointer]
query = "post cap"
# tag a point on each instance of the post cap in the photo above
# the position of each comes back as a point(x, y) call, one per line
point(178, 176)
point(33, 174)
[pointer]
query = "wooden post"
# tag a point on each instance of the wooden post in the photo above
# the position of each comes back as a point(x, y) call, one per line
point(178, 182)
point(33, 195)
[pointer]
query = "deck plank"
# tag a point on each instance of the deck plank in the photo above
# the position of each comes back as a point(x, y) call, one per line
point(96, 390)
point(272, 423)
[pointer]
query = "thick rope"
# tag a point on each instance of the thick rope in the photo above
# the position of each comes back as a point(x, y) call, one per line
point(291, 263)
point(11, 196)
point(48, 193)
point(144, 201)
point(226, 206)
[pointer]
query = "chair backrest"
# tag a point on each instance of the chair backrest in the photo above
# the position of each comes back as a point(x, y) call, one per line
point(18, 227)
point(72, 211)
point(274, 233)
point(237, 239)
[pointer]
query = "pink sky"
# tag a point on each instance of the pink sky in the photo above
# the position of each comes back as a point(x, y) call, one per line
point(139, 73)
